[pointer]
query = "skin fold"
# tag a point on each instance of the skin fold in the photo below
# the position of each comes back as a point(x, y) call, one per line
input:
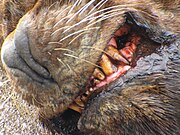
point(52, 51)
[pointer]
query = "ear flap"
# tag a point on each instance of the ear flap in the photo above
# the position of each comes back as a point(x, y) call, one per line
point(150, 25)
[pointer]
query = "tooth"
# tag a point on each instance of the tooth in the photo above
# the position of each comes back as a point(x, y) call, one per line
point(106, 65)
point(98, 74)
point(114, 53)
point(133, 47)
point(76, 108)
point(77, 105)
point(128, 44)
point(127, 52)
point(96, 81)
point(84, 98)
point(113, 42)
point(79, 102)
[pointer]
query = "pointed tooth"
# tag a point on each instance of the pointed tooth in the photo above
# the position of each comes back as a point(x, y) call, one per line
point(106, 65)
point(98, 74)
point(114, 53)
point(76, 108)
point(77, 105)
point(113, 42)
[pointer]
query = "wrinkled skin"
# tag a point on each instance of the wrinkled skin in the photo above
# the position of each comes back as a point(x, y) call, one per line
point(146, 100)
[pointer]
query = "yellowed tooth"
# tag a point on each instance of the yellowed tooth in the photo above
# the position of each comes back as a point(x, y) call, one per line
point(79, 102)
point(76, 108)
point(98, 74)
point(106, 65)
point(77, 105)
point(96, 81)
point(114, 54)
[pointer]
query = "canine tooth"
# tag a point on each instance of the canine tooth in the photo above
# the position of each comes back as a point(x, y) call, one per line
point(114, 53)
point(98, 74)
point(76, 108)
point(113, 42)
point(106, 65)
point(77, 105)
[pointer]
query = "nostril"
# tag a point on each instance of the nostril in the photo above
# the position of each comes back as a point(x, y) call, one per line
point(21, 42)
point(17, 64)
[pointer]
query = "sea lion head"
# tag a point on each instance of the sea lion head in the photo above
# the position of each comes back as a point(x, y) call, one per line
point(115, 52)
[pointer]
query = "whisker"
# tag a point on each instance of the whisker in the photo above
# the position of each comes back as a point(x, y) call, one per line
point(74, 15)
point(106, 17)
point(50, 43)
point(93, 14)
point(69, 55)
point(97, 49)
point(86, 6)
point(78, 36)
point(58, 30)
point(103, 18)
point(108, 13)
point(61, 61)
point(65, 64)
point(49, 53)
point(77, 32)
point(63, 49)
point(102, 4)
point(60, 14)
point(74, 25)
point(76, 3)
point(109, 9)
point(62, 19)
point(55, 3)
point(95, 7)
point(64, 10)
point(70, 68)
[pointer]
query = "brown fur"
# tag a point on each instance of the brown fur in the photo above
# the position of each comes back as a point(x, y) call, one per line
point(57, 79)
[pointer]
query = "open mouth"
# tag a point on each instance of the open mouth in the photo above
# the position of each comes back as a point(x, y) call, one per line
point(119, 56)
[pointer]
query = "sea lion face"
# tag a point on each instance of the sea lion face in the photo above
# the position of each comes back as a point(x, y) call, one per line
point(61, 52)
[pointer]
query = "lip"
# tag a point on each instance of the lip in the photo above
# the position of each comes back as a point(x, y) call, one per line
point(118, 57)
point(136, 41)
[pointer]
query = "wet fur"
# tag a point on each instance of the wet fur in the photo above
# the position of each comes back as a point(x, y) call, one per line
point(147, 102)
